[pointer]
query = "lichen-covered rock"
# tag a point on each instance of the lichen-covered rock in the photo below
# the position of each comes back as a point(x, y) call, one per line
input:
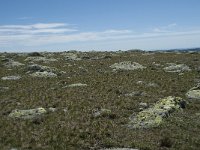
point(36, 70)
point(152, 85)
point(75, 85)
point(40, 68)
point(43, 74)
point(177, 68)
point(11, 78)
point(127, 65)
point(3, 88)
point(52, 109)
point(27, 114)
point(102, 113)
point(42, 59)
point(71, 56)
point(153, 116)
point(194, 93)
point(135, 93)
point(143, 105)
point(12, 64)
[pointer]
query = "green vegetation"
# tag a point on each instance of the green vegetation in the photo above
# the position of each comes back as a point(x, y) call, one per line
point(96, 116)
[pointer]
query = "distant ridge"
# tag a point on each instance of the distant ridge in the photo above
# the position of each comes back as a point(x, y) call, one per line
point(181, 50)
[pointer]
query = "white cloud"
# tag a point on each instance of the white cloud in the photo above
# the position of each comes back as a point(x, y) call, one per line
point(165, 29)
point(35, 29)
point(40, 35)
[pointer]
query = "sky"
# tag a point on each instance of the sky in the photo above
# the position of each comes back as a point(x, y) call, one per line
point(57, 25)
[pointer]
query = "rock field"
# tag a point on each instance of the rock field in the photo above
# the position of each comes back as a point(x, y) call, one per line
point(123, 100)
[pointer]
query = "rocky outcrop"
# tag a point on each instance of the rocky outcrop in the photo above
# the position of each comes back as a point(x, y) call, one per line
point(3, 88)
point(43, 71)
point(194, 93)
point(40, 68)
point(40, 59)
point(75, 85)
point(101, 112)
point(127, 65)
point(43, 74)
point(71, 56)
point(177, 68)
point(27, 114)
point(11, 64)
point(154, 116)
point(11, 78)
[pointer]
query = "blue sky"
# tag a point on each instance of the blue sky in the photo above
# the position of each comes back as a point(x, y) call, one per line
point(50, 25)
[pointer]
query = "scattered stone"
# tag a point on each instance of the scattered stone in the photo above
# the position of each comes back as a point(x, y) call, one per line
point(43, 71)
point(43, 74)
point(104, 113)
point(136, 93)
point(51, 109)
point(176, 68)
point(3, 88)
point(140, 82)
point(42, 59)
point(65, 110)
point(153, 116)
point(71, 56)
point(152, 85)
point(75, 85)
point(11, 78)
point(194, 93)
point(27, 114)
point(11, 64)
point(156, 64)
point(40, 68)
point(143, 105)
point(127, 65)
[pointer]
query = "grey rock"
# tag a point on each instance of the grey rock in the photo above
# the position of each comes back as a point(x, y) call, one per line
point(136, 93)
point(101, 112)
point(75, 85)
point(40, 68)
point(3, 88)
point(27, 114)
point(154, 116)
point(176, 68)
point(51, 109)
point(43, 71)
point(140, 82)
point(11, 78)
point(43, 74)
point(65, 110)
point(152, 85)
point(71, 56)
point(40, 59)
point(194, 93)
point(127, 65)
point(12, 63)
point(143, 105)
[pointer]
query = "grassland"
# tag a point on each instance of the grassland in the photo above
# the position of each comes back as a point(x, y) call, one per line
point(76, 127)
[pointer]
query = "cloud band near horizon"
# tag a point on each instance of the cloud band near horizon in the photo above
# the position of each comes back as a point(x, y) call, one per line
point(42, 34)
